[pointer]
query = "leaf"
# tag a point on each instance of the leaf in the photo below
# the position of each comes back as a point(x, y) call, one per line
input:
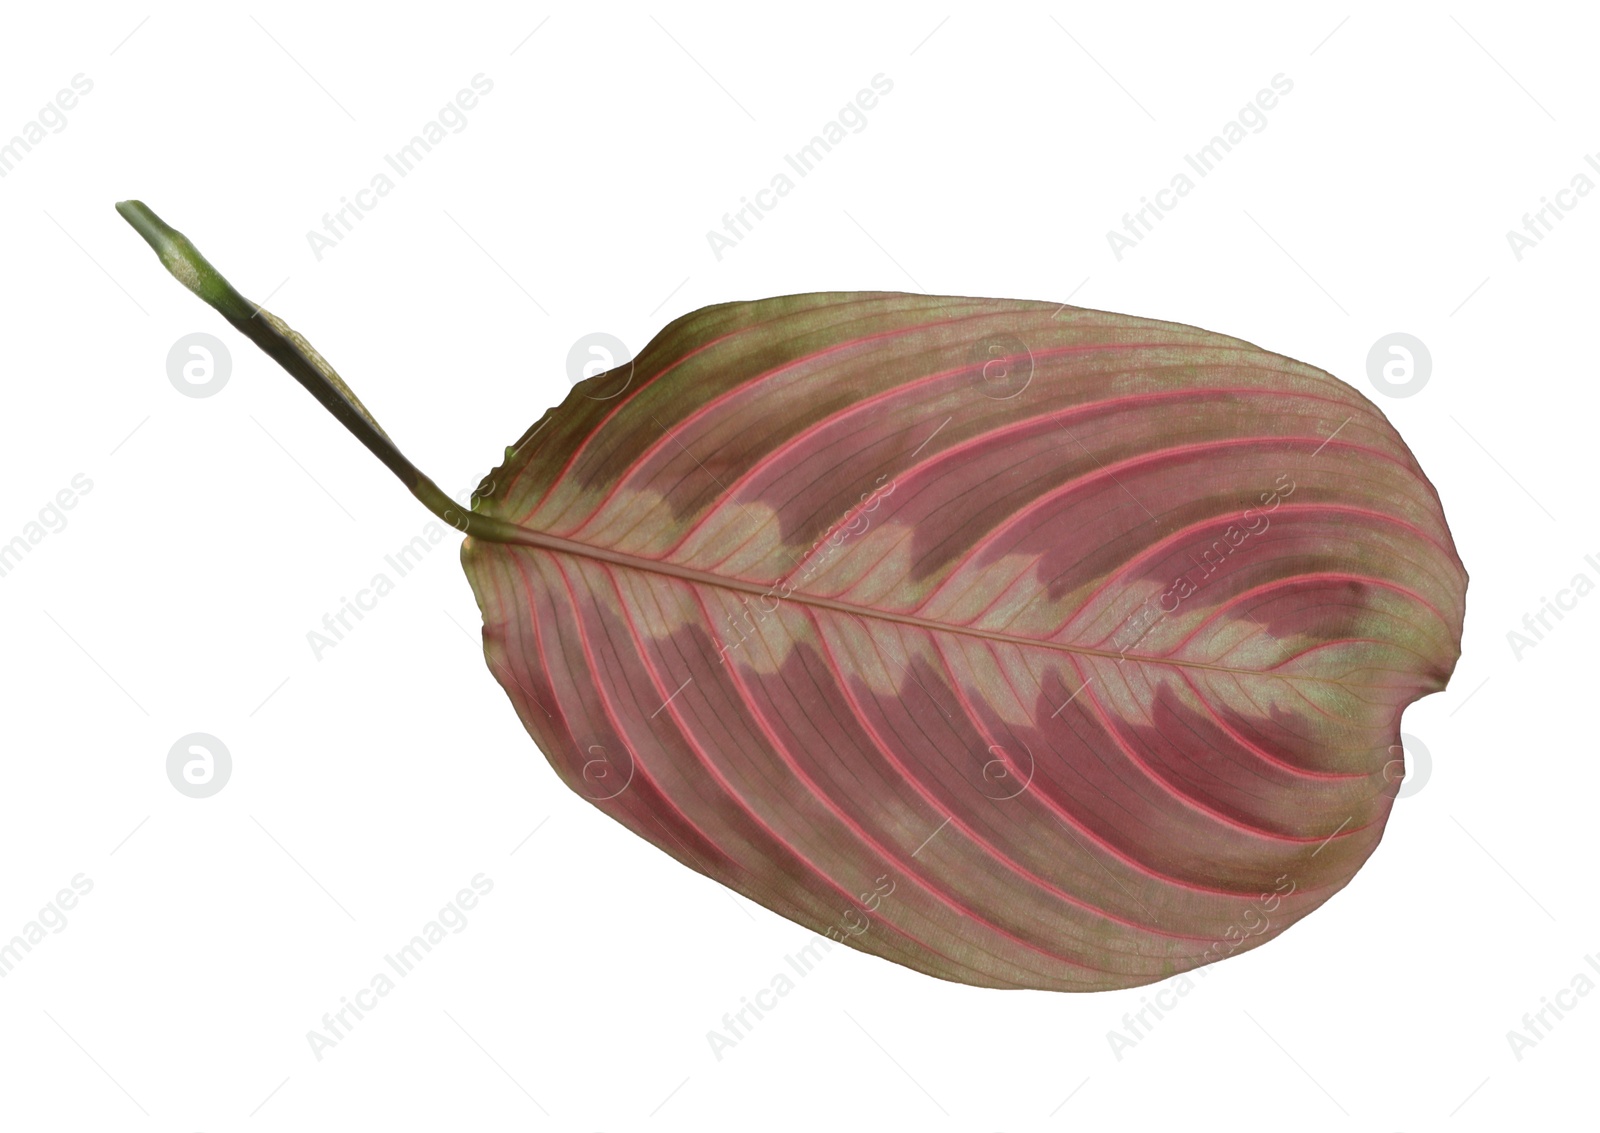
point(1022, 645)
point(1026, 646)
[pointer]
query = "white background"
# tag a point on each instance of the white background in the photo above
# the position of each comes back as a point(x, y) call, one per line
point(372, 784)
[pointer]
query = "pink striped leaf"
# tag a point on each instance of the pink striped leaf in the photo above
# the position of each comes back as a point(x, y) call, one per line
point(1022, 645)
point(1019, 644)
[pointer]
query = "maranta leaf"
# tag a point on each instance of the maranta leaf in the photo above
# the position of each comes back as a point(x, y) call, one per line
point(1023, 645)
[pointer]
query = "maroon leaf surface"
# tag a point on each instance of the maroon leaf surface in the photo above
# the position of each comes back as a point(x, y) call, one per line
point(1022, 645)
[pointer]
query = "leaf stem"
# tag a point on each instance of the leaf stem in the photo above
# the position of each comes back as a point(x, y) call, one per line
point(291, 351)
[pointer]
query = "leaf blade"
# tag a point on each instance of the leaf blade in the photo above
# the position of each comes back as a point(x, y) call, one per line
point(827, 689)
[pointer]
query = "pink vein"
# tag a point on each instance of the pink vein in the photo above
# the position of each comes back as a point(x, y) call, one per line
point(1173, 452)
point(1310, 577)
point(1064, 816)
point(528, 538)
point(704, 760)
point(808, 432)
point(1184, 799)
point(1147, 552)
point(925, 883)
point(742, 387)
point(843, 684)
point(1260, 752)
